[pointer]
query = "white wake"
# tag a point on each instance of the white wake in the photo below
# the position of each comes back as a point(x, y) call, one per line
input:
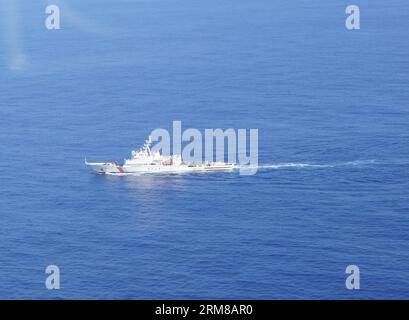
point(288, 165)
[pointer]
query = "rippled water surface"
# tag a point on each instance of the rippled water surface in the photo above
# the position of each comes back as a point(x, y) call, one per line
point(331, 107)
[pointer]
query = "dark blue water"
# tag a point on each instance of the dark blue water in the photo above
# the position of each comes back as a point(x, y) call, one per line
point(318, 93)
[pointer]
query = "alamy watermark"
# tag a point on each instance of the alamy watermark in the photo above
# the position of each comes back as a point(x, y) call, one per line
point(194, 147)
point(52, 281)
point(353, 281)
point(353, 20)
point(53, 21)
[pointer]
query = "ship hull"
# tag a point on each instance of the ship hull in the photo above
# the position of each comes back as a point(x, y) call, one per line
point(115, 169)
point(176, 169)
point(105, 167)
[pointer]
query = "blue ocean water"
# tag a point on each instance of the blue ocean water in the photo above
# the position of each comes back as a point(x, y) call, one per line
point(331, 106)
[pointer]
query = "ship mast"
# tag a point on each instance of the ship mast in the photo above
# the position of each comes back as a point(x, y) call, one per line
point(147, 146)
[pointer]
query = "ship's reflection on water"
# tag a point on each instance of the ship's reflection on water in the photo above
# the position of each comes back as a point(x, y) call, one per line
point(158, 182)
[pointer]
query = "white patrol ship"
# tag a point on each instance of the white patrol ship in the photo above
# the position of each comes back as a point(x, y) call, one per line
point(145, 161)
